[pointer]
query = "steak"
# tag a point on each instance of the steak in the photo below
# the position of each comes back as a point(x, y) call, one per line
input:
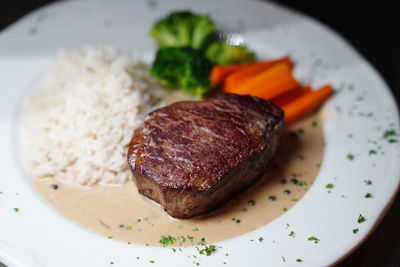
point(193, 156)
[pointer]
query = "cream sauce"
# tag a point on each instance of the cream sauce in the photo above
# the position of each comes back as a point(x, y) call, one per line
point(121, 213)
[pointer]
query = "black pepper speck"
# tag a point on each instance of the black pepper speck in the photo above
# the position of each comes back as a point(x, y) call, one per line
point(251, 202)
point(54, 187)
point(286, 192)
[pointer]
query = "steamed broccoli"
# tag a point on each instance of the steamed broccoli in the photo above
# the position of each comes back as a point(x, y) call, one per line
point(223, 54)
point(182, 68)
point(182, 29)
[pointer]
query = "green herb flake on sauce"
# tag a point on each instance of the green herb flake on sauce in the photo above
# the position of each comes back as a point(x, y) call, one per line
point(302, 183)
point(355, 231)
point(167, 240)
point(314, 123)
point(350, 156)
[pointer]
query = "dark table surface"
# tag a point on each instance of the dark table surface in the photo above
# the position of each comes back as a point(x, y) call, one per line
point(374, 30)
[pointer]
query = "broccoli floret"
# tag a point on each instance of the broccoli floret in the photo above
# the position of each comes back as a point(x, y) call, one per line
point(183, 29)
point(182, 68)
point(222, 54)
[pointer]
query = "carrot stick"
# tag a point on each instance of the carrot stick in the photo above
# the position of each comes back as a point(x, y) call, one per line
point(219, 73)
point(270, 83)
point(238, 77)
point(288, 97)
point(307, 103)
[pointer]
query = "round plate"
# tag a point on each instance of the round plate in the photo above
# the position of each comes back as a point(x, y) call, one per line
point(361, 127)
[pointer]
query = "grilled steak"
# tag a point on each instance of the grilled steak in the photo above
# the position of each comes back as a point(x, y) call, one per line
point(193, 156)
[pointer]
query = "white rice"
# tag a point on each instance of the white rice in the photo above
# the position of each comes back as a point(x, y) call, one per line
point(78, 122)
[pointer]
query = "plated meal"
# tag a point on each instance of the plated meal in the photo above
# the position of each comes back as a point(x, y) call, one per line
point(85, 128)
point(203, 146)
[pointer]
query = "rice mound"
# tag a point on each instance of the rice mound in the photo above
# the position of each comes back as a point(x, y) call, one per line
point(77, 124)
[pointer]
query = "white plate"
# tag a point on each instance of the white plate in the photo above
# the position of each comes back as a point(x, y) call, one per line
point(356, 118)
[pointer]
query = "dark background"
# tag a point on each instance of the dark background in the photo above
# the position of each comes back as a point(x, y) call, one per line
point(373, 28)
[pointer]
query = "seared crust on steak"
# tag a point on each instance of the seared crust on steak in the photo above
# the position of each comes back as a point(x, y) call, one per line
point(193, 156)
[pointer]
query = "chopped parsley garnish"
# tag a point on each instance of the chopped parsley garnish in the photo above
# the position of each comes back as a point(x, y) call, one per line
point(202, 241)
point(207, 250)
point(109, 237)
point(283, 259)
point(368, 195)
point(314, 123)
point(292, 234)
point(196, 229)
point(360, 98)
point(16, 210)
point(361, 219)
point(368, 182)
point(167, 240)
point(111, 262)
point(152, 261)
point(128, 227)
point(372, 152)
point(329, 186)
point(299, 260)
point(350, 156)
point(287, 226)
point(314, 239)
point(302, 183)
point(355, 231)
point(295, 199)
point(389, 134)
point(261, 239)
point(285, 209)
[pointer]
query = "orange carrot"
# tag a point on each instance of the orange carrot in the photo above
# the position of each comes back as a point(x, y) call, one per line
point(307, 103)
point(219, 73)
point(270, 83)
point(288, 97)
point(238, 77)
